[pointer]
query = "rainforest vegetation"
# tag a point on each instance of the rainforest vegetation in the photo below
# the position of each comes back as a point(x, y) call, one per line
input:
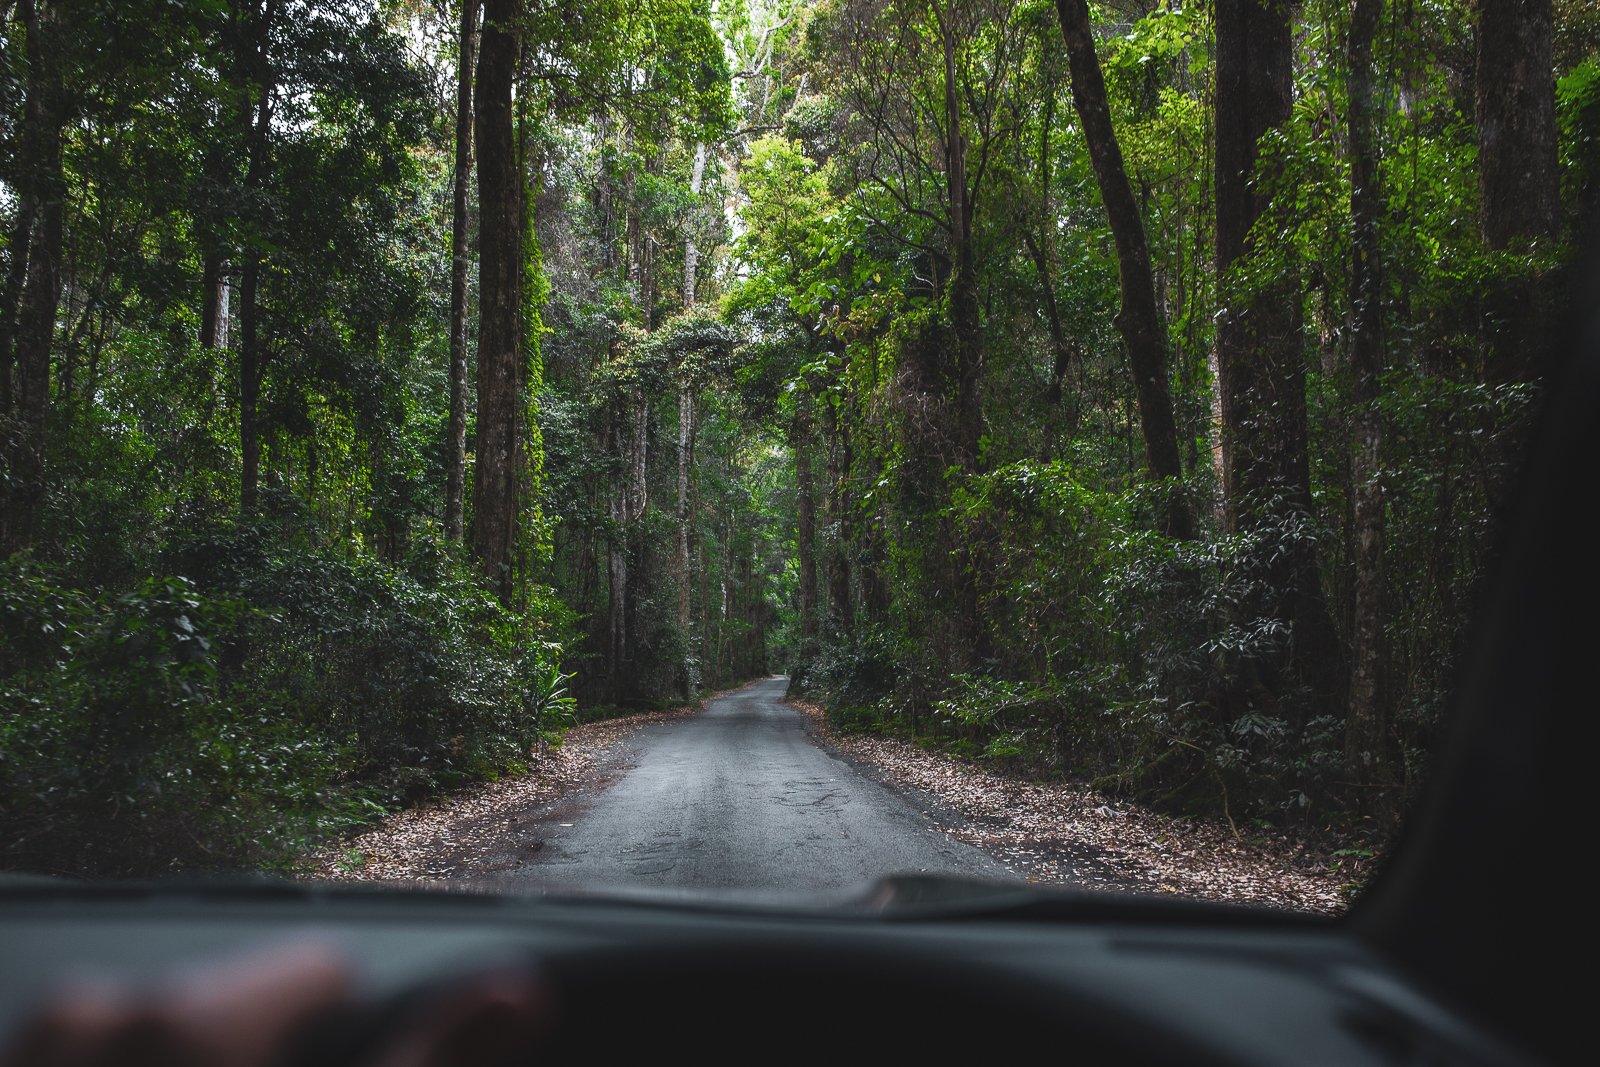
point(1128, 392)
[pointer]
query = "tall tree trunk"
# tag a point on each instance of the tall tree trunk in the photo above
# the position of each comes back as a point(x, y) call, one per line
point(1365, 726)
point(252, 359)
point(806, 532)
point(1262, 381)
point(1518, 180)
point(1260, 368)
point(686, 436)
point(841, 606)
point(1139, 320)
point(11, 298)
point(1516, 117)
point(213, 292)
point(965, 320)
point(42, 191)
point(626, 566)
point(494, 498)
point(968, 555)
point(1060, 343)
point(249, 381)
point(456, 434)
point(614, 442)
point(691, 251)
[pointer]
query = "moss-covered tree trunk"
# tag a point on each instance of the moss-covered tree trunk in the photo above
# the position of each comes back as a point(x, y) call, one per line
point(460, 264)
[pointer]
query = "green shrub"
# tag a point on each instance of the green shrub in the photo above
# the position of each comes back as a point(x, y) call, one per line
point(267, 695)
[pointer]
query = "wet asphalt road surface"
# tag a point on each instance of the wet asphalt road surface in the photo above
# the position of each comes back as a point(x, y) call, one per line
point(739, 798)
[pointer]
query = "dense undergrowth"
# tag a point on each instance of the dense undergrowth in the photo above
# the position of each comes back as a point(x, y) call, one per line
point(251, 697)
point(1152, 667)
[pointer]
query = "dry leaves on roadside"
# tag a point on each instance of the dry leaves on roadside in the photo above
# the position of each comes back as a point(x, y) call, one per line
point(1058, 833)
point(466, 833)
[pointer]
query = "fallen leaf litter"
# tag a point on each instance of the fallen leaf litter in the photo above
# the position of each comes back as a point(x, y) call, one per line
point(1059, 833)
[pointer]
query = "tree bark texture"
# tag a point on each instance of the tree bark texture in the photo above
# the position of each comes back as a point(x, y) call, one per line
point(1262, 379)
point(686, 442)
point(1138, 320)
point(686, 435)
point(1518, 178)
point(1516, 117)
point(841, 606)
point(11, 297)
point(252, 356)
point(499, 436)
point(460, 253)
point(1260, 367)
point(971, 563)
point(1365, 725)
point(806, 525)
point(213, 300)
point(965, 321)
point(41, 193)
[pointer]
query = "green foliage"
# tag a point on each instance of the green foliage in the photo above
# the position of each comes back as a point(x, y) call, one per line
point(183, 684)
point(223, 717)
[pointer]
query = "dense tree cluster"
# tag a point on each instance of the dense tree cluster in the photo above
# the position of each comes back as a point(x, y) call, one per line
point(1167, 364)
point(1129, 390)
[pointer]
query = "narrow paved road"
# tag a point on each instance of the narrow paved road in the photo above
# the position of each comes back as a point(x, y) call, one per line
point(740, 798)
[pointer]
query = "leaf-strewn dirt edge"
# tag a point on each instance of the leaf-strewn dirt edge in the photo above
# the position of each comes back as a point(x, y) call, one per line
point(486, 828)
point(1057, 833)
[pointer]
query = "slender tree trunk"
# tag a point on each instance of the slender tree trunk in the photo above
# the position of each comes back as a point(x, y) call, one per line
point(1060, 343)
point(806, 532)
point(42, 191)
point(626, 565)
point(252, 359)
point(1365, 726)
point(1139, 320)
point(460, 253)
point(691, 251)
point(965, 320)
point(11, 297)
point(686, 435)
point(249, 382)
point(494, 499)
point(969, 556)
point(841, 606)
point(213, 290)
point(613, 442)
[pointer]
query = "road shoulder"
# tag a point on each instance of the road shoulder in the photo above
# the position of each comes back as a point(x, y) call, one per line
point(1053, 833)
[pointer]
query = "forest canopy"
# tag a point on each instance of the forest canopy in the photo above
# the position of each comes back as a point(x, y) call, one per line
point(1127, 392)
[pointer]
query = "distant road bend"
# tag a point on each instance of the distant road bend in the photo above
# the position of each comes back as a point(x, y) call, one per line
point(739, 797)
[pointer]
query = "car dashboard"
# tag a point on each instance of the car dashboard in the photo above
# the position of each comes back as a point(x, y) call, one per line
point(909, 969)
